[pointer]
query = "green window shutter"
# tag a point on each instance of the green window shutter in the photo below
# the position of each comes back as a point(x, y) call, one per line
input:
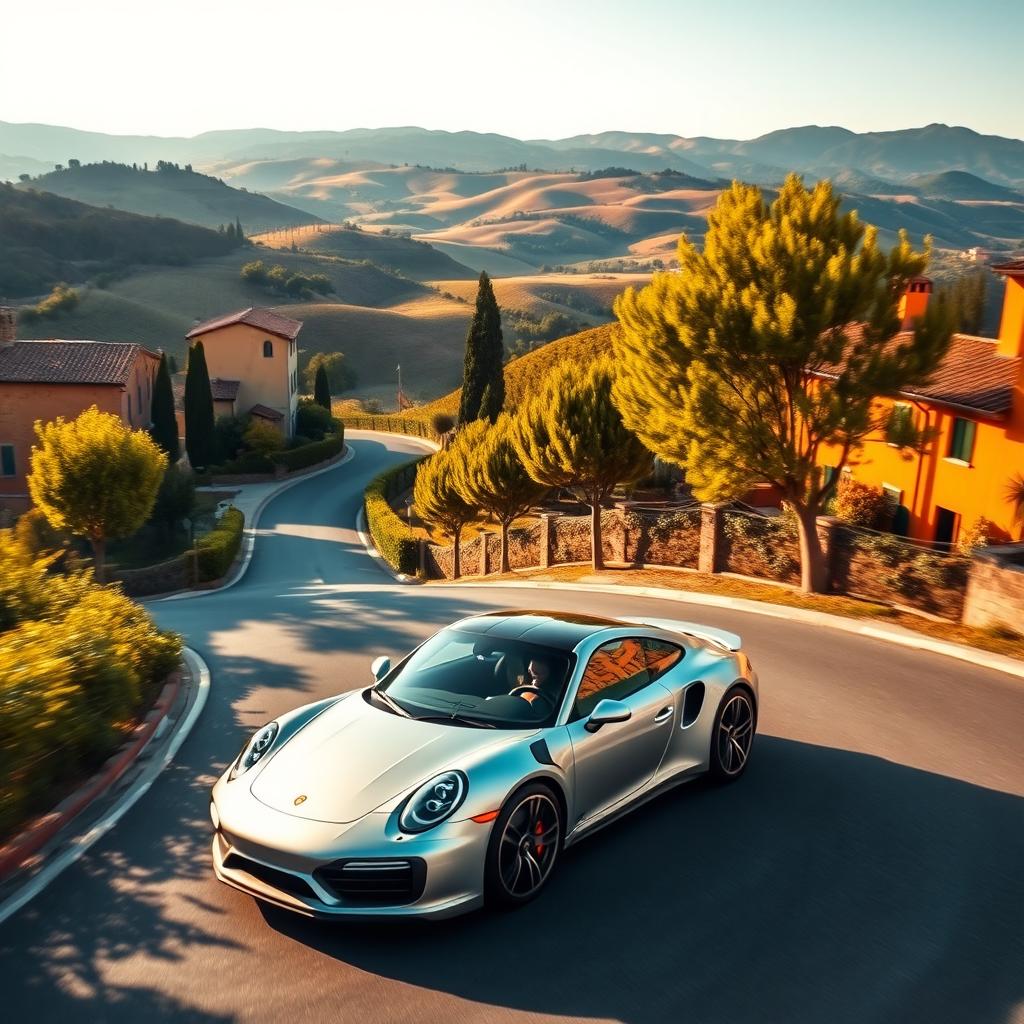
point(962, 446)
point(7, 460)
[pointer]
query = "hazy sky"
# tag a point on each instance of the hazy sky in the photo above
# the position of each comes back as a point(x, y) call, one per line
point(530, 68)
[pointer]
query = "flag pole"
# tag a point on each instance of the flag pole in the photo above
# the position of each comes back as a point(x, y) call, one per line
point(399, 388)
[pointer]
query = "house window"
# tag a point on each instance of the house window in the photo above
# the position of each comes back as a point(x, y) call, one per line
point(129, 406)
point(961, 445)
point(900, 426)
point(268, 350)
point(138, 395)
point(6, 460)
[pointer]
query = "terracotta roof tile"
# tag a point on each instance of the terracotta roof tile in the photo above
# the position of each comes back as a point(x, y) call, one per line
point(68, 362)
point(971, 375)
point(1012, 267)
point(265, 412)
point(224, 390)
point(264, 319)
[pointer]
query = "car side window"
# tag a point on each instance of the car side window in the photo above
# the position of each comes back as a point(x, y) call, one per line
point(661, 656)
point(615, 670)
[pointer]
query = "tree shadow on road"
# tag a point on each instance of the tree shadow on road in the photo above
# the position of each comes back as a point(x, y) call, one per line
point(826, 885)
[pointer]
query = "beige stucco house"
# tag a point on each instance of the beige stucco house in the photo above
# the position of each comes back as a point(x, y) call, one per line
point(252, 358)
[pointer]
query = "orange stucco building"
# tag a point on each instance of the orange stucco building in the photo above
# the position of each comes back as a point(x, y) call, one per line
point(973, 410)
point(252, 358)
point(41, 380)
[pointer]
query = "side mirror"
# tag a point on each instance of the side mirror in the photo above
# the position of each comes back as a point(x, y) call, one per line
point(380, 667)
point(607, 711)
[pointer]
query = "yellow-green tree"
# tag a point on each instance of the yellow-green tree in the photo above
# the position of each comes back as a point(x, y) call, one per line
point(95, 477)
point(571, 435)
point(719, 365)
point(492, 476)
point(438, 500)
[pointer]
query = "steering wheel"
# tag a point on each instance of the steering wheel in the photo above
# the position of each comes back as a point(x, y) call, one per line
point(519, 691)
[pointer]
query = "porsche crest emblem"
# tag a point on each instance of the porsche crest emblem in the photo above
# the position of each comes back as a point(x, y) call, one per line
point(300, 799)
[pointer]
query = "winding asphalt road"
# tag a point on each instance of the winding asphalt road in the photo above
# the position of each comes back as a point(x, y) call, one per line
point(869, 866)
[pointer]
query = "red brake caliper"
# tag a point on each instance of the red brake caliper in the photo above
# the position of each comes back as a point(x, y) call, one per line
point(537, 831)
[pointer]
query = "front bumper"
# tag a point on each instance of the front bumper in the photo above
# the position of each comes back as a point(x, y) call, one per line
point(288, 870)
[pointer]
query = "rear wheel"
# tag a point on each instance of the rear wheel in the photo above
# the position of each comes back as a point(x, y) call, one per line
point(733, 734)
point(525, 844)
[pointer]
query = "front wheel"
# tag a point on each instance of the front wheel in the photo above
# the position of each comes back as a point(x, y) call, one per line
point(524, 846)
point(733, 734)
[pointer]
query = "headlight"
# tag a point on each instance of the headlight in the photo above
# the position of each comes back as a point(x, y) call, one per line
point(255, 750)
point(433, 802)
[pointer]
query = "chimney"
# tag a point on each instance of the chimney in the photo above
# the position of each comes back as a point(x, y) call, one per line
point(914, 301)
point(1011, 323)
point(8, 326)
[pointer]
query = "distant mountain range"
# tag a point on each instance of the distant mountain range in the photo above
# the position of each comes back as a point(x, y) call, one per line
point(896, 156)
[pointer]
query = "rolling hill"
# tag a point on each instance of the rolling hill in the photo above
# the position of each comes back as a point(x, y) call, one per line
point(47, 238)
point(168, 191)
point(525, 375)
point(407, 256)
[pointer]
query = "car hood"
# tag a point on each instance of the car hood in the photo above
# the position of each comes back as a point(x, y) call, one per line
point(354, 757)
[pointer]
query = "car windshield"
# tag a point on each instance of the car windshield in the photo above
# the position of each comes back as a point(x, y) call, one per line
point(474, 679)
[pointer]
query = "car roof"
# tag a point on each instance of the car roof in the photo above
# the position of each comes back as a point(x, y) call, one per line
point(552, 629)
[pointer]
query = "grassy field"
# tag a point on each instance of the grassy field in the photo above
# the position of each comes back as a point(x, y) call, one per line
point(157, 306)
point(586, 297)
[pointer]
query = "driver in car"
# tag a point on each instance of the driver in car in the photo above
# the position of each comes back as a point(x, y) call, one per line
point(538, 672)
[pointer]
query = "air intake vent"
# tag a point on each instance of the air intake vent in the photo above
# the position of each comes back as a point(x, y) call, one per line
point(388, 882)
point(693, 701)
point(283, 880)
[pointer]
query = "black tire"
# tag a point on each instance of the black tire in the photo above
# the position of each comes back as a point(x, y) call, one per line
point(527, 806)
point(738, 710)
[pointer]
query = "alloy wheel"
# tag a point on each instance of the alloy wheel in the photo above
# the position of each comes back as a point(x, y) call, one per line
point(735, 734)
point(529, 846)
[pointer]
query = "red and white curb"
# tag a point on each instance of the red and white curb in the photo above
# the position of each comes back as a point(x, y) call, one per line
point(80, 844)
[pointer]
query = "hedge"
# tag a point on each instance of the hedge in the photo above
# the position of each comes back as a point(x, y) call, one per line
point(216, 550)
point(78, 662)
point(398, 545)
point(295, 458)
point(311, 454)
point(390, 424)
point(247, 462)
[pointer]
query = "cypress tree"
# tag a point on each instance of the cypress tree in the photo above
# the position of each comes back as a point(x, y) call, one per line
point(239, 233)
point(165, 427)
point(321, 388)
point(199, 436)
point(483, 375)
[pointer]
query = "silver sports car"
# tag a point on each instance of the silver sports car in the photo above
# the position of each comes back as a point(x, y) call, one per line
point(461, 774)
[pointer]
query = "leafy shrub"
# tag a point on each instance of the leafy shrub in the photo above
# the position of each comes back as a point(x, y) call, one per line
point(859, 505)
point(311, 454)
point(229, 436)
point(397, 543)
point(261, 438)
point(77, 662)
point(313, 420)
point(976, 536)
point(216, 550)
point(442, 423)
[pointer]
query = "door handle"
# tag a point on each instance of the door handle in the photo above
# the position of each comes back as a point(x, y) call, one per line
point(664, 714)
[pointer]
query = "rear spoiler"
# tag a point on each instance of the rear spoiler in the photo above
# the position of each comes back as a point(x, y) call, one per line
point(719, 637)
